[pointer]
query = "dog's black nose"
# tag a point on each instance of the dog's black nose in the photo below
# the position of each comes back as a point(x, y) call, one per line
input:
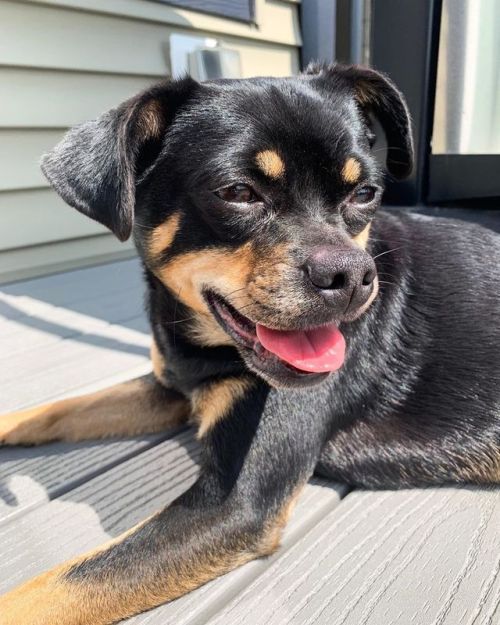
point(343, 276)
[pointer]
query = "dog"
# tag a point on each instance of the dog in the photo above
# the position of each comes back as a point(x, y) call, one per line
point(300, 328)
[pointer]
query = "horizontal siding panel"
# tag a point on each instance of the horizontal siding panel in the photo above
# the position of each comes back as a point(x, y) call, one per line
point(259, 59)
point(48, 31)
point(20, 155)
point(39, 98)
point(58, 38)
point(277, 21)
point(61, 256)
point(39, 216)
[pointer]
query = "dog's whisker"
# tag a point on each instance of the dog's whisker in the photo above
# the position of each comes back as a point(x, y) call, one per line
point(394, 249)
point(176, 321)
point(236, 291)
point(388, 147)
point(175, 310)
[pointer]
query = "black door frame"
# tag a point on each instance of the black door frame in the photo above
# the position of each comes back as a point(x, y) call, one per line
point(404, 44)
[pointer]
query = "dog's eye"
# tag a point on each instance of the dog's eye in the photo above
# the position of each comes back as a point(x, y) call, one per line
point(363, 195)
point(238, 193)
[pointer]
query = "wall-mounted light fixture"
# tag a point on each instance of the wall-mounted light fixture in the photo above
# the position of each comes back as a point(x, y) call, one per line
point(204, 58)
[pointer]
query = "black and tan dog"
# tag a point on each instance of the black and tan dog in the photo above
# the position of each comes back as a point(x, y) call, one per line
point(299, 335)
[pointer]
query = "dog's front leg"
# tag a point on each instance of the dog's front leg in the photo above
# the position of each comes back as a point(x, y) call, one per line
point(255, 462)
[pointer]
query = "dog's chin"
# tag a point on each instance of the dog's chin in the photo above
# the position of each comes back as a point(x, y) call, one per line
point(278, 373)
point(257, 358)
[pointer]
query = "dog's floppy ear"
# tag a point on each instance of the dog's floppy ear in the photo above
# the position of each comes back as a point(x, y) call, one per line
point(375, 93)
point(96, 165)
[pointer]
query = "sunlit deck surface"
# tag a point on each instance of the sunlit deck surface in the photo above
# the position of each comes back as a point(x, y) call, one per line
point(416, 557)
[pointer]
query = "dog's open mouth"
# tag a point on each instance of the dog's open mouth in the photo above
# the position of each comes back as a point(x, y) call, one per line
point(317, 350)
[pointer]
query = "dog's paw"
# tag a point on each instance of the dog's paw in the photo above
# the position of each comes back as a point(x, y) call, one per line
point(26, 427)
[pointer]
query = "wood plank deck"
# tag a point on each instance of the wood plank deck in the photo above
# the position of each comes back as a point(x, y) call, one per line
point(419, 557)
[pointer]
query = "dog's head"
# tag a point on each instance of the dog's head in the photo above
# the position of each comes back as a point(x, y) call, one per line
point(251, 201)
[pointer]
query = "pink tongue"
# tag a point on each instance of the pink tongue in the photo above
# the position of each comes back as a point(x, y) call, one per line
point(318, 350)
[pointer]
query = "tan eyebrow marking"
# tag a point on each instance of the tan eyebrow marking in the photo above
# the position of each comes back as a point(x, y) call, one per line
point(271, 163)
point(164, 234)
point(351, 170)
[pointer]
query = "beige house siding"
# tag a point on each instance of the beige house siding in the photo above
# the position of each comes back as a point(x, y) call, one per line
point(64, 61)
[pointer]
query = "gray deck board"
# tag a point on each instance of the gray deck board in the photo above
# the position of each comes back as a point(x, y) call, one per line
point(31, 476)
point(59, 370)
point(419, 557)
point(61, 333)
point(70, 287)
point(20, 338)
